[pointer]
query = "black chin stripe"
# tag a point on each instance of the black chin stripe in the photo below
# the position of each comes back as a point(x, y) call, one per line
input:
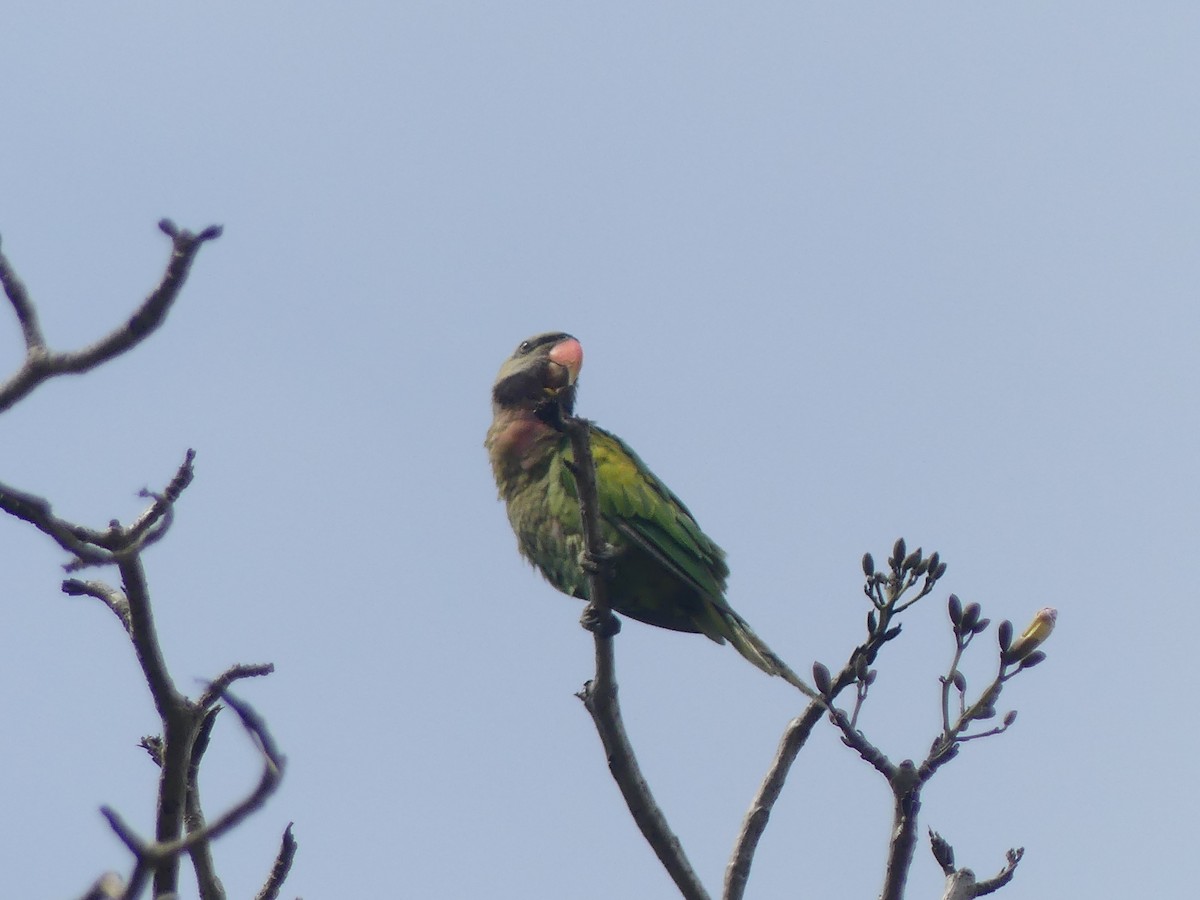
point(521, 387)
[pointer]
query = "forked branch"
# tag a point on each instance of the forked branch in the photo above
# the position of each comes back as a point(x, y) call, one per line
point(907, 779)
point(152, 857)
point(961, 883)
point(886, 591)
point(187, 724)
point(42, 363)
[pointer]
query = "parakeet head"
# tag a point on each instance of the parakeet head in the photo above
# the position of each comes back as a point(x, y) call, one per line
point(540, 375)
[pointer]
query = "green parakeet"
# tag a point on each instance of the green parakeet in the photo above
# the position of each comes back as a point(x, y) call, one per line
point(664, 571)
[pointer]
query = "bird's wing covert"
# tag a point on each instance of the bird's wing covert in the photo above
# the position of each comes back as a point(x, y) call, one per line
point(642, 508)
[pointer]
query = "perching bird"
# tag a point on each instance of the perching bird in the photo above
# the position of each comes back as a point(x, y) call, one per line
point(664, 570)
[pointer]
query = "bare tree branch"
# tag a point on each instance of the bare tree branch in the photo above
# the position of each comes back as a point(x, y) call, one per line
point(885, 593)
point(159, 512)
point(167, 698)
point(187, 725)
point(1004, 876)
point(737, 872)
point(180, 718)
point(273, 764)
point(163, 855)
point(41, 363)
point(942, 852)
point(234, 673)
point(906, 804)
point(107, 595)
point(91, 546)
point(202, 862)
point(206, 878)
point(907, 779)
point(27, 316)
point(36, 511)
point(599, 695)
point(967, 625)
point(961, 883)
point(209, 884)
point(283, 865)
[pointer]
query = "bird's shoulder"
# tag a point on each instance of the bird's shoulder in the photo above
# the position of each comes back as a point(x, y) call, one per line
point(624, 480)
point(630, 491)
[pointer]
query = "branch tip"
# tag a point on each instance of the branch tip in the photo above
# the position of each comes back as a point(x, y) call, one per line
point(41, 363)
point(135, 844)
point(281, 868)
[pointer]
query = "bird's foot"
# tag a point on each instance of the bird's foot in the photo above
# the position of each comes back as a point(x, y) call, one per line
point(601, 623)
point(601, 562)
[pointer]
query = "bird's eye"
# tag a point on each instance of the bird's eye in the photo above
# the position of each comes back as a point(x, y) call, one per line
point(524, 348)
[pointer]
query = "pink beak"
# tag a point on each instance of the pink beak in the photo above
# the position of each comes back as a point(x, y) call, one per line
point(569, 355)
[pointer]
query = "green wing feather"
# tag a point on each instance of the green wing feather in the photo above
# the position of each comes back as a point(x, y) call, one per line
point(668, 572)
point(646, 511)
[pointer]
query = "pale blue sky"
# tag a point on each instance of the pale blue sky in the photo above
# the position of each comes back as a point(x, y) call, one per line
point(840, 274)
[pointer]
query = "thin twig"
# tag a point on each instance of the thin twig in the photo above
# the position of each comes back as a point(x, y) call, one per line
point(281, 868)
point(163, 855)
point(109, 596)
point(41, 363)
point(95, 547)
point(26, 312)
point(221, 683)
point(905, 782)
point(857, 741)
point(947, 681)
point(36, 511)
point(273, 764)
point(737, 872)
point(1004, 877)
point(128, 837)
point(884, 591)
point(202, 862)
point(164, 503)
point(187, 726)
point(907, 779)
point(953, 736)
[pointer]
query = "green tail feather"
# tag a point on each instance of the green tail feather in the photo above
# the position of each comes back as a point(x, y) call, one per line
point(754, 649)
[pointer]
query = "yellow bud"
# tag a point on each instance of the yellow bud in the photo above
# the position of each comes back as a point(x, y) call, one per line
point(1037, 632)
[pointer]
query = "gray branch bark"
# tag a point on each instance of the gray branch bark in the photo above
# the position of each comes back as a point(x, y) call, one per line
point(42, 363)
